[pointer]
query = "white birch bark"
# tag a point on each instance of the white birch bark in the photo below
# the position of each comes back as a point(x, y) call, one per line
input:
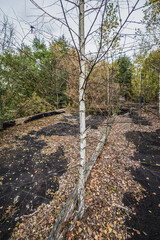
point(81, 184)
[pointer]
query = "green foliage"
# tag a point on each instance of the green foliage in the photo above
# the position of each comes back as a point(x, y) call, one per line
point(33, 105)
point(152, 20)
point(152, 13)
point(110, 26)
point(145, 80)
point(32, 77)
point(124, 75)
point(61, 45)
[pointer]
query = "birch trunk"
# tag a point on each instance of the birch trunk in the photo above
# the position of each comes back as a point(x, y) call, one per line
point(81, 184)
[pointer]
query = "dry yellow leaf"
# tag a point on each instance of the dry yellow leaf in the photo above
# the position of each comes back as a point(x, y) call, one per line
point(114, 232)
point(108, 226)
point(119, 236)
point(89, 231)
point(78, 223)
point(138, 232)
point(110, 230)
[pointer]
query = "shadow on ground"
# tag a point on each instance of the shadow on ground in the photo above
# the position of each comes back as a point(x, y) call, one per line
point(136, 117)
point(145, 223)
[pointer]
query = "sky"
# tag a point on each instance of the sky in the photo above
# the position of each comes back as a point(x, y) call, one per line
point(24, 14)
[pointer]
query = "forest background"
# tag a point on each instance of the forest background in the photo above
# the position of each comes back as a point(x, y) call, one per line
point(43, 77)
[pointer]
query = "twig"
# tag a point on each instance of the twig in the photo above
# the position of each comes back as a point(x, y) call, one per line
point(30, 215)
point(151, 164)
point(119, 206)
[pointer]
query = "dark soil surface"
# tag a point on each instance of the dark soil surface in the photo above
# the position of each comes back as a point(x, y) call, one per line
point(146, 217)
point(28, 174)
point(147, 211)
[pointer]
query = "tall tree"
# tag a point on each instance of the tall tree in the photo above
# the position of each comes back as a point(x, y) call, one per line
point(32, 77)
point(109, 30)
point(97, 10)
point(145, 80)
point(124, 75)
point(81, 187)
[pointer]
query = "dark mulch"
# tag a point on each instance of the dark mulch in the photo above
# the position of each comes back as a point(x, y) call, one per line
point(147, 211)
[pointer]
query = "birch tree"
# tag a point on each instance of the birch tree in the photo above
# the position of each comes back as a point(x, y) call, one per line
point(81, 188)
point(93, 12)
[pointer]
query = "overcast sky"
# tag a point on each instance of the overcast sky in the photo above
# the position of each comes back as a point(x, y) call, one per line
point(23, 14)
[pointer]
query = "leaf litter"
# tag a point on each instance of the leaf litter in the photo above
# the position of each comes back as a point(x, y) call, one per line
point(118, 186)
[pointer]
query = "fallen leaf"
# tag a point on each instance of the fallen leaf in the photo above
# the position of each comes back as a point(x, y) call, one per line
point(78, 223)
point(114, 232)
point(109, 230)
point(138, 232)
point(79, 230)
point(89, 231)
point(105, 231)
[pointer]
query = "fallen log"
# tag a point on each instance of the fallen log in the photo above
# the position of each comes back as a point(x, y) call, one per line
point(41, 115)
point(60, 227)
point(11, 123)
point(8, 124)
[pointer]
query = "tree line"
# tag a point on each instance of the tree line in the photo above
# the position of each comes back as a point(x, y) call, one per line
point(41, 78)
